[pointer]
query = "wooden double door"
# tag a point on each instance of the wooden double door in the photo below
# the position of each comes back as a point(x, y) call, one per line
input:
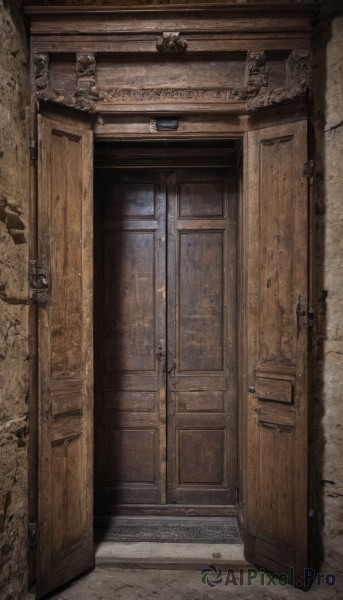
point(164, 288)
point(166, 400)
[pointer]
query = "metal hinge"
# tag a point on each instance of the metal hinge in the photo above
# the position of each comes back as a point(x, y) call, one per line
point(310, 316)
point(39, 279)
point(309, 168)
point(310, 326)
point(237, 494)
point(33, 151)
point(305, 318)
point(32, 535)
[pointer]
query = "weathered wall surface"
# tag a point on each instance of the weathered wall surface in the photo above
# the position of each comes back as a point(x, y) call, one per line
point(14, 191)
point(328, 371)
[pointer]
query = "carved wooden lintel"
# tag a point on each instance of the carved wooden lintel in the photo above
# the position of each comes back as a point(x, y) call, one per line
point(85, 70)
point(41, 71)
point(277, 96)
point(171, 43)
point(77, 100)
point(109, 160)
point(255, 92)
point(174, 94)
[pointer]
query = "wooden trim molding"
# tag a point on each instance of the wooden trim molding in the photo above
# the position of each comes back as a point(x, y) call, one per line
point(118, 58)
point(88, 97)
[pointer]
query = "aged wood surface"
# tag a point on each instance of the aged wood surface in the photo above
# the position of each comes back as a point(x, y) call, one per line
point(199, 465)
point(246, 68)
point(131, 408)
point(202, 396)
point(276, 271)
point(65, 349)
point(216, 55)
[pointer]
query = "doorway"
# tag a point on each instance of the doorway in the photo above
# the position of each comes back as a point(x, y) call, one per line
point(166, 428)
point(272, 323)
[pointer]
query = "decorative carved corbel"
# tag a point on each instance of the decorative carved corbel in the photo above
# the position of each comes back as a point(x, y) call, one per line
point(85, 70)
point(299, 68)
point(41, 71)
point(172, 43)
point(256, 70)
point(76, 100)
point(298, 83)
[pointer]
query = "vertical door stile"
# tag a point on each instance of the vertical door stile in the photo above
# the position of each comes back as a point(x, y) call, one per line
point(131, 422)
point(202, 431)
point(276, 314)
point(65, 342)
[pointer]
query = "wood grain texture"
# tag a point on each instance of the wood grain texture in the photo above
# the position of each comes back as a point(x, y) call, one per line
point(65, 508)
point(134, 465)
point(276, 226)
point(202, 396)
point(131, 343)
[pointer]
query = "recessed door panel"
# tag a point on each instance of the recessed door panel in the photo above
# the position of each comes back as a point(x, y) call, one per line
point(201, 337)
point(130, 383)
point(151, 390)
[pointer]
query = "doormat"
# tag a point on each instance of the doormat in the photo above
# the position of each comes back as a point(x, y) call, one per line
point(167, 530)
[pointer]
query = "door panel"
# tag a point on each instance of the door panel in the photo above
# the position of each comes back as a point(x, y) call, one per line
point(65, 348)
point(131, 415)
point(201, 337)
point(199, 206)
point(277, 262)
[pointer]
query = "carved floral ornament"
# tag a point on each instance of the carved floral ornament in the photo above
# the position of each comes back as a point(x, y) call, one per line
point(171, 43)
point(255, 92)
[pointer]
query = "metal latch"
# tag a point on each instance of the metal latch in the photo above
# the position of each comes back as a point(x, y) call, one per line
point(39, 282)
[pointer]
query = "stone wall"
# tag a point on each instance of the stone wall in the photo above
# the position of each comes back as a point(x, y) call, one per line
point(14, 192)
point(327, 391)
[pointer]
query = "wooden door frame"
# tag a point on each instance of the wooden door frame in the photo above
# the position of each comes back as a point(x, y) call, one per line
point(217, 118)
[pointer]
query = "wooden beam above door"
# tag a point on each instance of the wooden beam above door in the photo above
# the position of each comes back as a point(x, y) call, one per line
point(220, 58)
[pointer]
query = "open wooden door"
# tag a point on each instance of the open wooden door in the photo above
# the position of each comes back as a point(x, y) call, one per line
point(64, 289)
point(276, 230)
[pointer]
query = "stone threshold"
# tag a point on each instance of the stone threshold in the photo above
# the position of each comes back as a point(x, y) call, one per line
point(157, 555)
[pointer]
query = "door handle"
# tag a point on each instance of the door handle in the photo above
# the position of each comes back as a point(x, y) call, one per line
point(172, 369)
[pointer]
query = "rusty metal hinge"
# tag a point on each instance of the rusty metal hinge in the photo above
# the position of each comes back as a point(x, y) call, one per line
point(310, 316)
point(310, 326)
point(305, 319)
point(309, 168)
point(33, 150)
point(39, 282)
point(32, 535)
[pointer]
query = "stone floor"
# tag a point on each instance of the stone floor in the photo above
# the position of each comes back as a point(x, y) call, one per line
point(149, 584)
